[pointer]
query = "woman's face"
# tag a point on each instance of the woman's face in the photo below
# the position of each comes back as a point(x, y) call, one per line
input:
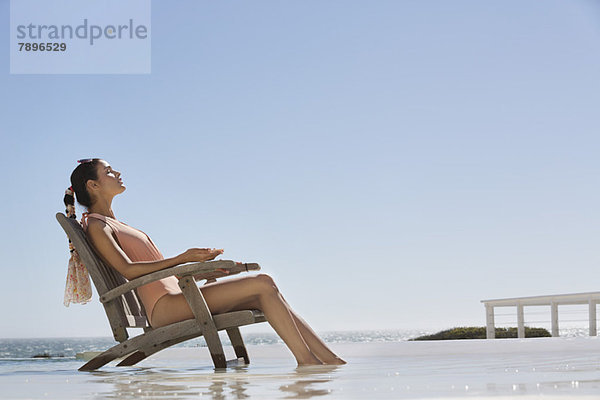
point(109, 181)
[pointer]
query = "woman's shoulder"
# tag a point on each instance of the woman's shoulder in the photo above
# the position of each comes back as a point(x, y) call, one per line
point(98, 222)
point(95, 225)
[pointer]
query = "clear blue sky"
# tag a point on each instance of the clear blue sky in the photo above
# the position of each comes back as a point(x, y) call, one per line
point(389, 163)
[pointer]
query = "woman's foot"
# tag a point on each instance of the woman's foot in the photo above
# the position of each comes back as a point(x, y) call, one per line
point(309, 364)
point(311, 359)
point(334, 361)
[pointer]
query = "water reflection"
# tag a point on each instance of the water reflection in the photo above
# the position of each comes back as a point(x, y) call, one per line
point(309, 378)
point(146, 382)
point(302, 389)
point(234, 383)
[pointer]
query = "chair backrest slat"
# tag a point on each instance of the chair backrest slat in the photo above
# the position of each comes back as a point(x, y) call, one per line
point(129, 311)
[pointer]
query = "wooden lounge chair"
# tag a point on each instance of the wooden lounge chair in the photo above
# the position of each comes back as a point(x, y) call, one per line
point(125, 310)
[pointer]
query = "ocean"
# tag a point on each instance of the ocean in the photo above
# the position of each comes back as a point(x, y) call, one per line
point(23, 349)
point(14, 348)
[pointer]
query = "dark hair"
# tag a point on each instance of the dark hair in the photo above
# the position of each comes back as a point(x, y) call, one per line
point(83, 173)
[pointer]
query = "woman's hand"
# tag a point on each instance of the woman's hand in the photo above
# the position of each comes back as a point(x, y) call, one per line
point(200, 255)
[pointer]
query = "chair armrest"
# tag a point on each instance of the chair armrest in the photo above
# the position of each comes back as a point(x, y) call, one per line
point(211, 276)
point(198, 270)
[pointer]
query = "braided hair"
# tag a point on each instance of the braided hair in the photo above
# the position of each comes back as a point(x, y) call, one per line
point(77, 289)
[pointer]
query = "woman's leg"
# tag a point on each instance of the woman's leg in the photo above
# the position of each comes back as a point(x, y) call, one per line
point(258, 292)
point(314, 342)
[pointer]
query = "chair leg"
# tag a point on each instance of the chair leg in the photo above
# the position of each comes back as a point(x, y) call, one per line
point(133, 359)
point(143, 344)
point(107, 356)
point(147, 351)
point(216, 349)
point(202, 314)
point(238, 344)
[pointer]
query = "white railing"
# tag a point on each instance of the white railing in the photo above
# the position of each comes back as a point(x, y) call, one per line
point(590, 298)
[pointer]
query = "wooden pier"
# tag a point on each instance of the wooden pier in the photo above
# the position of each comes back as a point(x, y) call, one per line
point(590, 298)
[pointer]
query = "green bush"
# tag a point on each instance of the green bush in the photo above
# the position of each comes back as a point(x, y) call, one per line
point(476, 332)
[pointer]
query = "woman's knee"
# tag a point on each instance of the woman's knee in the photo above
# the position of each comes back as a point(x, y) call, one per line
point(266, 284)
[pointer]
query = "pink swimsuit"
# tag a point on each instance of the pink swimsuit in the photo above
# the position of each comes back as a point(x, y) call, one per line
point(139, 247)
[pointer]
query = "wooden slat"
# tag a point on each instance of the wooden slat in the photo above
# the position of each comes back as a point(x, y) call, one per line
point(237, 318)
point(114, 310)
point(157, 339)
point(128, 311)
point(196, 269)
point(226, 321)
point(187, 328)
point(77, 236)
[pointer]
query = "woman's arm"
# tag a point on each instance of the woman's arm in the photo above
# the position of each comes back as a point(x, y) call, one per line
point(100, 236)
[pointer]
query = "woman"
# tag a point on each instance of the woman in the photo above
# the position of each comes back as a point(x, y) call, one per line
point(132, 253)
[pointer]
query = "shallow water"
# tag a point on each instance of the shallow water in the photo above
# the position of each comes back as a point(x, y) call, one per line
point(508, 368)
